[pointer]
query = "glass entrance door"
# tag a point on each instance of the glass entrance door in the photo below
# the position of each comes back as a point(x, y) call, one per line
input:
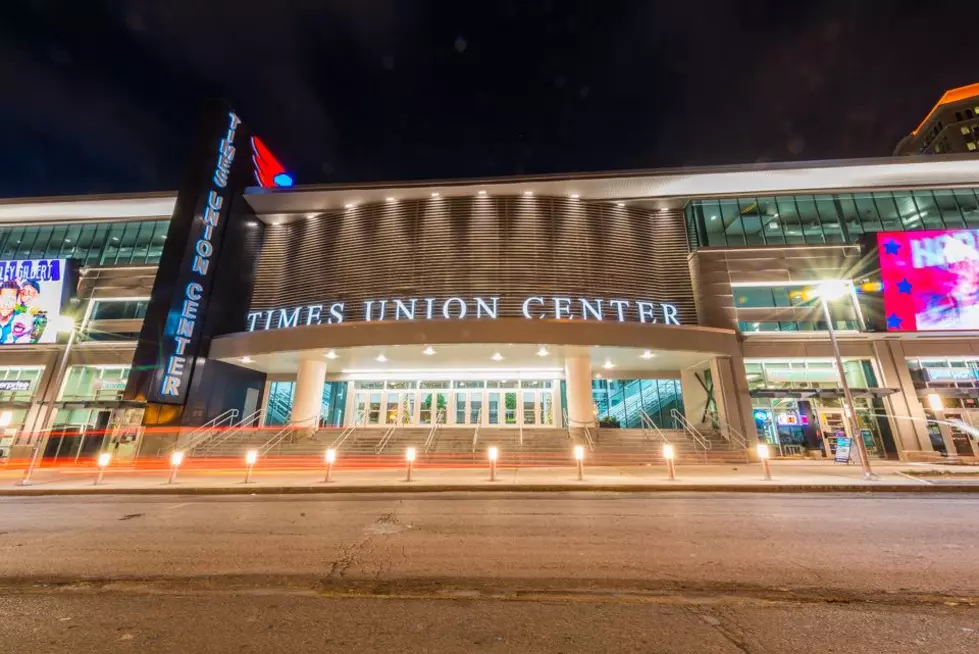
point(832, 426)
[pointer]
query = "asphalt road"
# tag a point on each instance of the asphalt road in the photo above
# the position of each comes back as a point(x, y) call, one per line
point(469, 572)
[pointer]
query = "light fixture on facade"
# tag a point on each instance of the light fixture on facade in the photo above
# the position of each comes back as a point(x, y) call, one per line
point(528, 194)
point(647, 354)
point(380, 358)
point(436, 194)
point(542, 352)
point(497, 356)
point(247, 359)
point(428, 351)
point(773, 225)
point(620, 204)
point(349, 205)
point(713, 217)
point(598, 375)
point(331, 355)
point(664, 209)
point(935, 402)
point(482, 193)
point(574, 196)
point(391, 199)
point(608, 365)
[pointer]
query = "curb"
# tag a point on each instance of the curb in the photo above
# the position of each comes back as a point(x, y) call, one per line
point(501, 488)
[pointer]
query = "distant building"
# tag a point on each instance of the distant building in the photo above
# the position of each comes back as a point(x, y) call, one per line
point(951, 127)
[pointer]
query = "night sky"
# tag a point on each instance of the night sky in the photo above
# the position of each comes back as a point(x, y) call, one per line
point(102, 96)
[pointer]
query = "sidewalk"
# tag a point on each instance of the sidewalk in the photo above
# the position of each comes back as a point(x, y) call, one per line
point(787, 476)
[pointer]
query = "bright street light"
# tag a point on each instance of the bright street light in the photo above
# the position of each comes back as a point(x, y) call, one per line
point(831, 290)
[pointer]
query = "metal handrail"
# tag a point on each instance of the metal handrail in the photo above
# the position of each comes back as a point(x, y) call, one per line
point(436, 424)
point(732, 435)
point(649, 426)
point(349, 429)
point(479, 420)
point(288, 430)
point(585, 427)
point(197, 436)
point(387, 436)
point(697, 437)
point(234, 429)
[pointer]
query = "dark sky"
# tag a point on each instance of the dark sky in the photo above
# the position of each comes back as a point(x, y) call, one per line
point(102, 96)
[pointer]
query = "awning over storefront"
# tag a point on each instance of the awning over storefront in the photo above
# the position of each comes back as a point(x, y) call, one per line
point(818, 393)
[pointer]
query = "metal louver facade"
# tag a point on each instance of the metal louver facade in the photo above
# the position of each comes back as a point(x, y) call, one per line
point(511, 247)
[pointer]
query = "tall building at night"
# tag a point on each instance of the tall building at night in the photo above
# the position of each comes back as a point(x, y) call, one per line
point(528, 310)
point(951, 127)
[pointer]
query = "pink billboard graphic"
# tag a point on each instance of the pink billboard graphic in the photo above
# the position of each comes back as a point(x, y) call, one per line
point(931, 279)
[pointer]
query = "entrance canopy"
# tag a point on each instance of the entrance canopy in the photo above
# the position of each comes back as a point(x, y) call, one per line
point(392, 346)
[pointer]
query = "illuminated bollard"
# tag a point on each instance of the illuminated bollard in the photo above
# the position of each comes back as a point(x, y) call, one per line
point(251, 457)
point(762, 451)
point(669, 455)
point(494, 454)
point(102, 462)
point(330, 457)
point(409, 462)
point(175, 460)
point(579, 457)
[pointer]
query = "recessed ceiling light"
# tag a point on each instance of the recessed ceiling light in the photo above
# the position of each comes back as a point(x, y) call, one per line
point(247, 359)
point(349, 205)
point(311, 215)
point(482, 193)
point(575, 196)
point(381, 358)
point(713, 217)
point(497, 356)
point(620, 204)
point(67, 240)
point(436, 194)
point(598, 375)
point(391, 199)
point(528, 193)
point(646, 355)
point(428, 351)
point(275, 224)
point(664, 209)
point(542, 352)
point(331, 355)
point(608, 365)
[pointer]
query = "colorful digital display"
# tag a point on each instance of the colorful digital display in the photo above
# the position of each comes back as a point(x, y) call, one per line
point(931, 279)
point(32, 293)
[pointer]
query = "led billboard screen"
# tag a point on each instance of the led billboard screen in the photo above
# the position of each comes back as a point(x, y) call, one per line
point(32, 293)
point(931, 279)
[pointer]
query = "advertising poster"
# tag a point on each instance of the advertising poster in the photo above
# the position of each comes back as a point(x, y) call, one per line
point(32, 293)
point(842, 450)
point(931, 279)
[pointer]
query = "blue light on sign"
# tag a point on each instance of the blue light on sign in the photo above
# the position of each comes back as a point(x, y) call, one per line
point(282, 179)
point(183, 320)
point(761, 416)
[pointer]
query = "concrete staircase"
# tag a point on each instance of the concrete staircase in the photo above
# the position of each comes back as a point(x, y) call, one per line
point(235, 445)
point(635, 443)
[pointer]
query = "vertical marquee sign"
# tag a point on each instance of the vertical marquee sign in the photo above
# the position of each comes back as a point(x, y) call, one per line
point(188, 303)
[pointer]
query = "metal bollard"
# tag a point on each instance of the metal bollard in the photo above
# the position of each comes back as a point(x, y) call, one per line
point(762, 451)
point(669, 455)
point(494, 454)
point(330, 457)
point(410, 462)
point(579, 455)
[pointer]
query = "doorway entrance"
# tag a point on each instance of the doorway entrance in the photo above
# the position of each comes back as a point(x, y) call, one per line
point(491, 403)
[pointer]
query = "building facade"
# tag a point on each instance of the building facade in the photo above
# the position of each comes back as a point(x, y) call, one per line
point(663, 297)
point(951, 127)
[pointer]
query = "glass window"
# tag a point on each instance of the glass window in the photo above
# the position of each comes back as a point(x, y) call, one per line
point(57, 240)
point(159, 239)
point(968, 206)
point(752, 296)
point(12, 244)
point(751, 223)
point(112, 244)
point(127, 244)
point(26, 246)
point(713, 225)
point(949, 209)
point(119, 310)
point(731, 219)
point(908, 211)
point(928, 210)
point(810, 229)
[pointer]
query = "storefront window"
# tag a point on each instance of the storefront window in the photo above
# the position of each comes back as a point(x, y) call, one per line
point(94, 383)
point(90, 243)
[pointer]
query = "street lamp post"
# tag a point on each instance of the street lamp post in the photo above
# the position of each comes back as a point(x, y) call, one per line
point(834, 290)
point(44, 411)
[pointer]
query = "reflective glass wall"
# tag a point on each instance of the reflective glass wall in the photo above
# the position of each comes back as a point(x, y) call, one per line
point(621, 400)
point(836, 218)
point(127, 243)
